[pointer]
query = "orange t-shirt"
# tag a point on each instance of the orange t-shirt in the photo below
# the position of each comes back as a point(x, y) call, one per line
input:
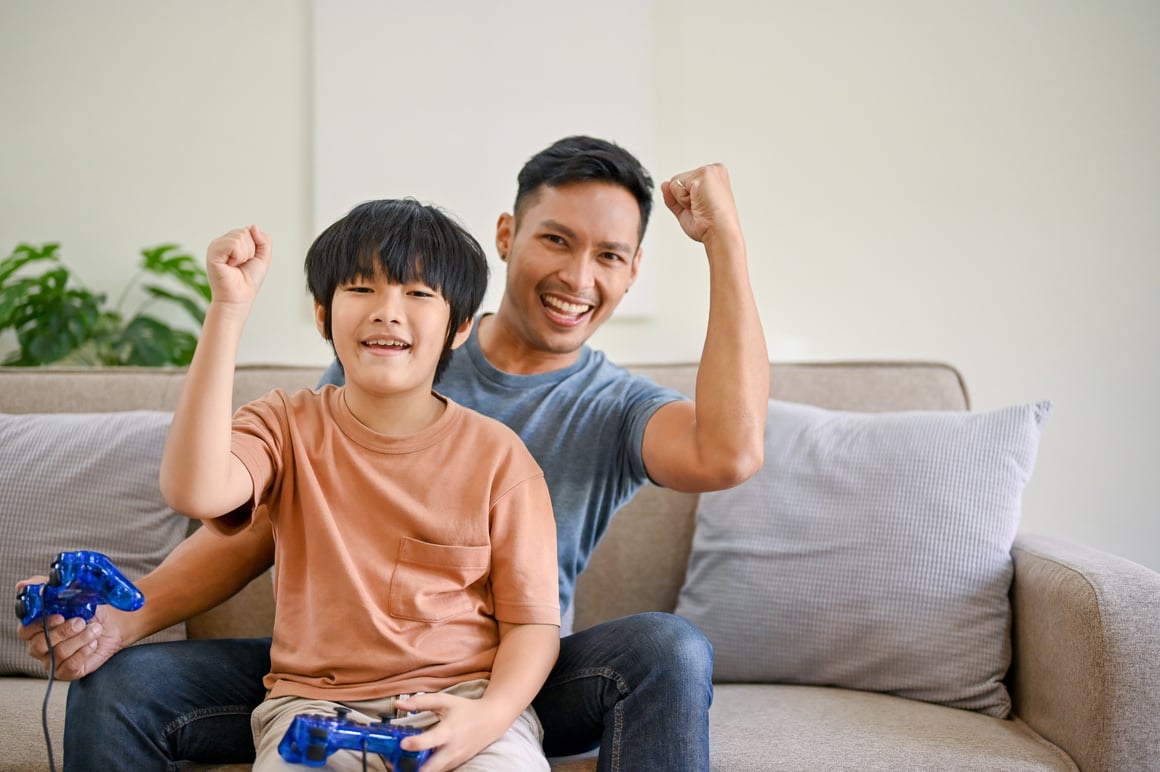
point(395, 558)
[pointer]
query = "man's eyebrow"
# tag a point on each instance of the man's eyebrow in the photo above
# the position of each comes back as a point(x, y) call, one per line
point(615, 246)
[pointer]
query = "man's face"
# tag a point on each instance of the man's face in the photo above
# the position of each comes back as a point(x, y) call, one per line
point(571, 256)
point(388, 336)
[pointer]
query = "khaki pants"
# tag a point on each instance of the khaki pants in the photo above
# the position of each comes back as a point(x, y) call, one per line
point(519, 749)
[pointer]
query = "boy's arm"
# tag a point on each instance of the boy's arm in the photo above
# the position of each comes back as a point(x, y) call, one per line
point(525, 656)
point(718, 441)
point(200, 477)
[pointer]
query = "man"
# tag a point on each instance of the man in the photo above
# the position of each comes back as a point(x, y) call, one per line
point(639, 687)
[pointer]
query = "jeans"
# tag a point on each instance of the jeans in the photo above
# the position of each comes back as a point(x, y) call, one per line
point(638, 687)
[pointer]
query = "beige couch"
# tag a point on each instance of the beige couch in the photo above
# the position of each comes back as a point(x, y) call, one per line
point(1085, 679)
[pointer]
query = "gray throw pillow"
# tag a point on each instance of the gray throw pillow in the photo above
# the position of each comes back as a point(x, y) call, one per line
point(81, 481)
point(871, 552)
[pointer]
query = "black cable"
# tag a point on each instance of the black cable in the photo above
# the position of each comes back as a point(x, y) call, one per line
point(47, 694)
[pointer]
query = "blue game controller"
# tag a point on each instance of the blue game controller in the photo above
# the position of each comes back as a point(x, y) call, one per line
point(78, 582)
point(312, 738)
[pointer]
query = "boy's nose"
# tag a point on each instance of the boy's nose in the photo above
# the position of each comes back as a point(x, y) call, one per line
point(388, 309)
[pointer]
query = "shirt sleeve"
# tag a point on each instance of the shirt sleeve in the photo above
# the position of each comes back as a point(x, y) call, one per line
point(524, 573)
point(258, 428)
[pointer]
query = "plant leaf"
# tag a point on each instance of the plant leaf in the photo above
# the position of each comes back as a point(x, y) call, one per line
point(22, 256)
point(150, 342)
point(181, 267)
point(192, 307)
point(50, 330)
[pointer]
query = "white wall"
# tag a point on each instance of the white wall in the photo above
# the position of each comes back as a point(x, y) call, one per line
point(971, 182)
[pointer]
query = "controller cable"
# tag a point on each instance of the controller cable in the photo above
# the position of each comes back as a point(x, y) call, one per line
point(48, 693)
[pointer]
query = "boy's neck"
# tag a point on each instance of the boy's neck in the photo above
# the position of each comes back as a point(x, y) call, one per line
point(395, 415)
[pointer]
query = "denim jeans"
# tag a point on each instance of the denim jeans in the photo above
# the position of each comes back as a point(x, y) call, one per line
point(638, 687)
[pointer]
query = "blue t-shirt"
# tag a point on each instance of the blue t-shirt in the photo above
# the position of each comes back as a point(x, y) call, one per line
point(583, 424)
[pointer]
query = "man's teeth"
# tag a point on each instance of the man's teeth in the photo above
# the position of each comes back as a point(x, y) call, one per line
point(564, 306)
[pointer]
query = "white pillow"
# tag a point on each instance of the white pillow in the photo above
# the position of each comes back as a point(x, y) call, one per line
point(871, 552)
point(81, 481)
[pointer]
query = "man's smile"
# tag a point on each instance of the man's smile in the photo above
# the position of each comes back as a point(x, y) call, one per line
point(564, 311)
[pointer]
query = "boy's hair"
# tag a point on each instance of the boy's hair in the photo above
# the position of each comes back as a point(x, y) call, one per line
point(582, 159)
point(407, 241)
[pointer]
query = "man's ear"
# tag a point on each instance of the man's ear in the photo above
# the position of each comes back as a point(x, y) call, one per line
point(462, 333)
point(635, 267)
point(320, 319)
point(505, 230)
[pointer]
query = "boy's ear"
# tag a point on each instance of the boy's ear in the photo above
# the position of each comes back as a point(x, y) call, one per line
point(320, 319)
point(462, 333)
point(504, 230)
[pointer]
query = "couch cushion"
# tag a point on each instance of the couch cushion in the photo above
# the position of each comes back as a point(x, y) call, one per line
point(81, 481)
point(804, 729)
point(870, 552)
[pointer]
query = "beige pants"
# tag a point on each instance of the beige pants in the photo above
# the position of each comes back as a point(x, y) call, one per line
point(518, 750)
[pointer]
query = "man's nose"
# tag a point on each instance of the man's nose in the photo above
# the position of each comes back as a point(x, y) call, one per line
point(578, 272)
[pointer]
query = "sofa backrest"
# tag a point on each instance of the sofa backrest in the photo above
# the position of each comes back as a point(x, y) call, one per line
point(640, 564)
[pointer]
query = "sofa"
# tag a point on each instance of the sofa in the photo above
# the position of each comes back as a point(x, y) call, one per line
point(1080, 655)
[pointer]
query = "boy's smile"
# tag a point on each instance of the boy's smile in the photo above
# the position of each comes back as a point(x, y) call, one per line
point(389, 337)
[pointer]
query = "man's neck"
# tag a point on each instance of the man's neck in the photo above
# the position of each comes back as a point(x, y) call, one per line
point(506, 350)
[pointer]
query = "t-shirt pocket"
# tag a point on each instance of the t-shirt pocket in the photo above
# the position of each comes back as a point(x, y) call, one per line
point(431, 581)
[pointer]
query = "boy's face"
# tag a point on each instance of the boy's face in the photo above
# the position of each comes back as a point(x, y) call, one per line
point(389, 336)
point(570, 258)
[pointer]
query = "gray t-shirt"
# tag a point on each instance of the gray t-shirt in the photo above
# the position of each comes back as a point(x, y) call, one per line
point(583, 424)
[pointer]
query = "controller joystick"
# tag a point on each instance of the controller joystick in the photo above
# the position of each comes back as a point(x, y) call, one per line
point(312, 738)
point(78, 582)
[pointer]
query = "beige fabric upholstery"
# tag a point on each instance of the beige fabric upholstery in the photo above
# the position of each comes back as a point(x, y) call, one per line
point(1086, 671)
point(1086, 648)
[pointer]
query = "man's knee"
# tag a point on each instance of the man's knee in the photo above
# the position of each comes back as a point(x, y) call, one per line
point(674, 644)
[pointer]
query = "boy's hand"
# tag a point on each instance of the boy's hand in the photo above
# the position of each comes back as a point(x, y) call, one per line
point(237, 264)
point(702, 200)
point(78, 647)
point(465, 728)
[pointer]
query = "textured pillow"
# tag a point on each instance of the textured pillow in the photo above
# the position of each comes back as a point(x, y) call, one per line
point(871, 552)
point(80, 481)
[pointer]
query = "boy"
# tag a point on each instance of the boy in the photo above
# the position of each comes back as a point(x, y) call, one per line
point(415, 544)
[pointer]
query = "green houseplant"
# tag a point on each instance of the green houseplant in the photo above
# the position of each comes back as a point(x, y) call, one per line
point(57, 319)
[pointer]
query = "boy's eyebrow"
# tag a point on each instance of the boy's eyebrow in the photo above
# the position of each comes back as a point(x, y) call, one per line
point(615, 246)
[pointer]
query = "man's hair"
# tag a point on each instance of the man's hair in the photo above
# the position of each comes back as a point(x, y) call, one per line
point(407, 241)
point(583, 159)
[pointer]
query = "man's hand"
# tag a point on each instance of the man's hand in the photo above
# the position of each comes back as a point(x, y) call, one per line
point(702, 200)
point(465, 728)
point(236, 264)
point(77, 647)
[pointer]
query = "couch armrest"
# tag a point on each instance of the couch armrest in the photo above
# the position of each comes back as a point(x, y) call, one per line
point(1085, 669)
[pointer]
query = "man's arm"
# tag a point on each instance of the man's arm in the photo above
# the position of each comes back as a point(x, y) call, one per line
point(718, 441)
point(203, 571)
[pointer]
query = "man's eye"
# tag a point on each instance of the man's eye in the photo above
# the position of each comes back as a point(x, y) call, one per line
point(611, 256)
point(553, 238)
